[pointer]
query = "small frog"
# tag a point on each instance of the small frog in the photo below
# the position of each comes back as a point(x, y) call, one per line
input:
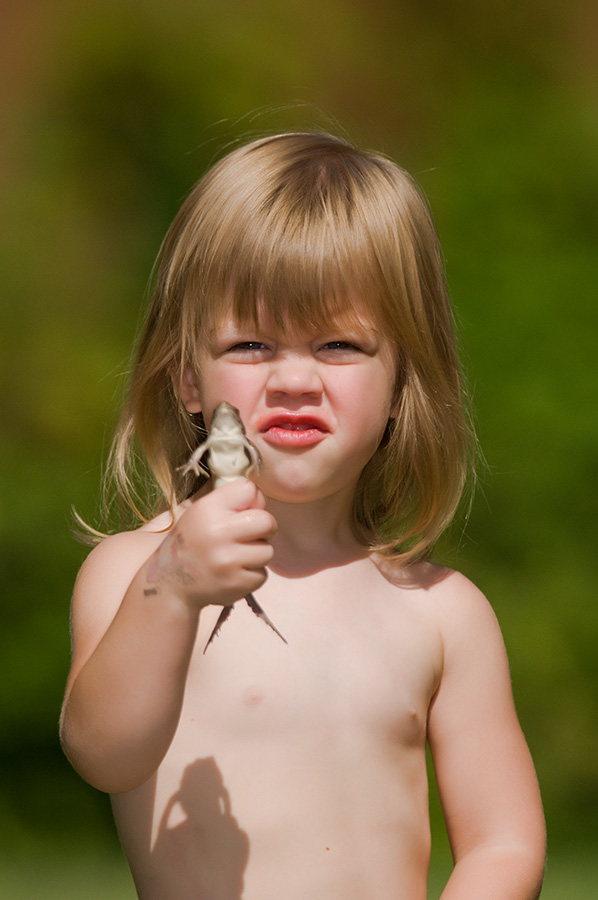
point(232, 455)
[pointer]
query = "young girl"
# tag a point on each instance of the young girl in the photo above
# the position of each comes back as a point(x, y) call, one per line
point(302, 283)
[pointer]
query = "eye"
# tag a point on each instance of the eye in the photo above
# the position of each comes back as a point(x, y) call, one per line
point(351, 347)
point(247, 347)
point(340, 351)
point(247, 351)
point(341, 345)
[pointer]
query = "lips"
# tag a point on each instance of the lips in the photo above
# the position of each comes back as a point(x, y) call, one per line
point(293, 430)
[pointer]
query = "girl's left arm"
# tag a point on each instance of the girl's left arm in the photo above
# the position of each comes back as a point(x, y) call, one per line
point(486, 779)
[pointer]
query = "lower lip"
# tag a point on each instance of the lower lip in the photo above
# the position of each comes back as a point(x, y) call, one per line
point(293, 437)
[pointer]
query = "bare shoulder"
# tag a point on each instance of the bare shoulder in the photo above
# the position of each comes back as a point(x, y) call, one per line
point(474, 649)
point(461, 604)
point(418, 576)
point(104, 579)
point(455, 601)
point(121, 555)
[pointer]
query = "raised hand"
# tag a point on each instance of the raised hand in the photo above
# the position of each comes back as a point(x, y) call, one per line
point(231, 456)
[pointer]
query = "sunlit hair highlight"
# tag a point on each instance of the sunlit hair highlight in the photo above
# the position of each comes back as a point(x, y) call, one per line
point(297, 228)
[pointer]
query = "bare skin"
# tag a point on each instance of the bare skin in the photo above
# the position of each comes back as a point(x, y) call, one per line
point(262, 770)
point(232, 456)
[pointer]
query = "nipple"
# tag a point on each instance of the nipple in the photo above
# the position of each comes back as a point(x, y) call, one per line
point(253, 696)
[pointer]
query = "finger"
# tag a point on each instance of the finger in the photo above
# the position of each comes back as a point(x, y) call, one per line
point(254, 579)
point(240, 494)
point(257, 555)
point(249, 578)
point(253, 525)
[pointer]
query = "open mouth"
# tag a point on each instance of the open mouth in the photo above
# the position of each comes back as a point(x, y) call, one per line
point(298, 431)
point(295, 426)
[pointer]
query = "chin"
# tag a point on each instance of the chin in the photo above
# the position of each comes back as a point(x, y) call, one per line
point(297, 490)
point(295, 494)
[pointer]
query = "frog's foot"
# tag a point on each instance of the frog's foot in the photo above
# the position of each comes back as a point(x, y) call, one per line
point(259, 612)
point(224, 614)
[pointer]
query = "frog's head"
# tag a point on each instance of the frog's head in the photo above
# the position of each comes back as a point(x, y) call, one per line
point(226, 420)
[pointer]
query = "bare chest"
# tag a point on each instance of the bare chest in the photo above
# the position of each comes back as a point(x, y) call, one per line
point(304, 761)
point(357, 666)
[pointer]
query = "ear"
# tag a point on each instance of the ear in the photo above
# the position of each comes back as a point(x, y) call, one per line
point(189, 391)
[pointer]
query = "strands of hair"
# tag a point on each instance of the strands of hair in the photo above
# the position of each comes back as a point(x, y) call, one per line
point(296, 228)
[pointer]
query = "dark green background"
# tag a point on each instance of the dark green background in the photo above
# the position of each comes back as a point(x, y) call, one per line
point(110, 111)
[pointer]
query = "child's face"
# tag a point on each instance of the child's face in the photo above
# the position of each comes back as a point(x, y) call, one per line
point(315, 405)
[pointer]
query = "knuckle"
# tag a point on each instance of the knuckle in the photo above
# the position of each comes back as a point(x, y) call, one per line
point(222, 559)
point(268, 553)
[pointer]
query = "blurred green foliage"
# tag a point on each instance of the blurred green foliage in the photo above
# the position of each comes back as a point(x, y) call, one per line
point(104, 877)
point(111, 111)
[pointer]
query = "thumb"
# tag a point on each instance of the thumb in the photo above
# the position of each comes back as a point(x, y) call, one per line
point(241, 494)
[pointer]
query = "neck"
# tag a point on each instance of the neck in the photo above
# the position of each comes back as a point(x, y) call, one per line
point(313, 536)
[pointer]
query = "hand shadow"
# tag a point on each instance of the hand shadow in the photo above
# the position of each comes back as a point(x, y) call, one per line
point(200, 837)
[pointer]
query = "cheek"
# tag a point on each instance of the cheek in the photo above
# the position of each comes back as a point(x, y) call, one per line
point(369, 398)
point(226, 383)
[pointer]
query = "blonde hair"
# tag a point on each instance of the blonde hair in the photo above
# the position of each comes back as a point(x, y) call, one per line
point(296, 225)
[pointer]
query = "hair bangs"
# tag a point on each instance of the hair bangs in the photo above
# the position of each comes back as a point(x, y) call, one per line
point(304, 232)
point(297, 252)
point(305, 284)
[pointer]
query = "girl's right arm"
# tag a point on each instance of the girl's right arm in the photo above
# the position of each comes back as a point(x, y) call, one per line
point(135, 613)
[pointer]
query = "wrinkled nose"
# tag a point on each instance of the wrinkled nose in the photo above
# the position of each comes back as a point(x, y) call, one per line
point(295, 375)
